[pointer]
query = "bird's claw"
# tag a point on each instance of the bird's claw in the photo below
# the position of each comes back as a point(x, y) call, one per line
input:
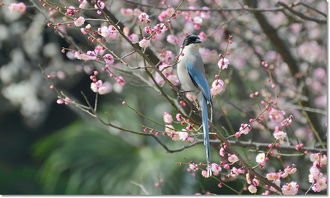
point(182, 93)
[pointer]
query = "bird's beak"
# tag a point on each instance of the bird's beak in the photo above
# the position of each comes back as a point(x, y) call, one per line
point(198, 40)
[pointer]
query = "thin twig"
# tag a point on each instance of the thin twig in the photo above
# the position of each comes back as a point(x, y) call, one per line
point(141, 186)
point(301, 15)
point(310, 7)
point(96, 101)
point(208, 10)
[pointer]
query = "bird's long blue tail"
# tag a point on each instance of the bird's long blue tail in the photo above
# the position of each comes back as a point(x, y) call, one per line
point(206, 134)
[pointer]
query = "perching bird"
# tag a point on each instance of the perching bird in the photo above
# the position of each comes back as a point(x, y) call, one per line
point(191, 74)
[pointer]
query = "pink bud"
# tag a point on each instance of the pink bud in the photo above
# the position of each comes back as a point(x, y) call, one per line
point(67, 100)
point(226, 166)
point(222, 152)
point(237, 134)
point(178, 117)
point(59, 101)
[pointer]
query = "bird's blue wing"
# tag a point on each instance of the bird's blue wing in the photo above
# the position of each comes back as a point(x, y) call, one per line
point(198, 78)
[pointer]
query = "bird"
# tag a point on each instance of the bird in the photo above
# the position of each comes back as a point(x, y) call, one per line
point(191, 74)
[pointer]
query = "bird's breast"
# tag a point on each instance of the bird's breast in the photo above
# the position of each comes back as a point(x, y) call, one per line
point(185, 79)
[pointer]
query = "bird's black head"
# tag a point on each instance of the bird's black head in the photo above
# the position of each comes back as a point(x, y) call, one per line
point(191, 39)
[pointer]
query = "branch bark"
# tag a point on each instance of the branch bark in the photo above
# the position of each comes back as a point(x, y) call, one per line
point(276, 9)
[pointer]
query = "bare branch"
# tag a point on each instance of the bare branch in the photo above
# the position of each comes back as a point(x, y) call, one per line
point(301, 15)
point(264, 146)
point(207, 10)
point(310, 7)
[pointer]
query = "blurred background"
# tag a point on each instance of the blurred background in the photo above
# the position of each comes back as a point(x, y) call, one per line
point(46, 148)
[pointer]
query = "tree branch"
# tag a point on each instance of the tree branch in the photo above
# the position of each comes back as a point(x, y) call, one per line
point(264, 146)
point(310, 7)
point(208, 10)
point(301, 15)
point(243, 163)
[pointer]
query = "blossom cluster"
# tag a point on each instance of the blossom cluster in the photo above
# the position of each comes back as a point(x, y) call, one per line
point(316, 177)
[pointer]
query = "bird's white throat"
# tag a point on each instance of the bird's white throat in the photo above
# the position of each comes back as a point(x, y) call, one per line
point(192, 48)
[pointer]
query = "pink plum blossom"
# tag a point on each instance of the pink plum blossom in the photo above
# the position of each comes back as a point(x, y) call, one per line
point(290, 188)
point(108, 58)
point(134, 38)
point(320, 185)
point(319, 73)
point(168, 119)
point(271, 176)
point(166, 14)
point(245, 129)
point(215, 169)
point(144, 43)
point(17, 7)
point(232, 158)
point(252, 189)
point(280, 135)
point(193, 167)
point(100, 87)
point(202, 36)
point(85, 57)
point(217, 87)
point(107, 31)
point(120, 80)
point(234, 172)
point(183, 135)
point(205, 174)
point(255, 182)
point(59, 101)
point(99, 50)
point(198, 20)
point(276, 115)
point(172, 39)
point(286, 122)
point(126, 12)
point(261, 158)
point(222, 152)
point(178, 117)
point(223, 63)
point(144, 17)
point(79, 21)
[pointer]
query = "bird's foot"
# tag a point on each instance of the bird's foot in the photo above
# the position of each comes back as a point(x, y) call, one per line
point(181, 94)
